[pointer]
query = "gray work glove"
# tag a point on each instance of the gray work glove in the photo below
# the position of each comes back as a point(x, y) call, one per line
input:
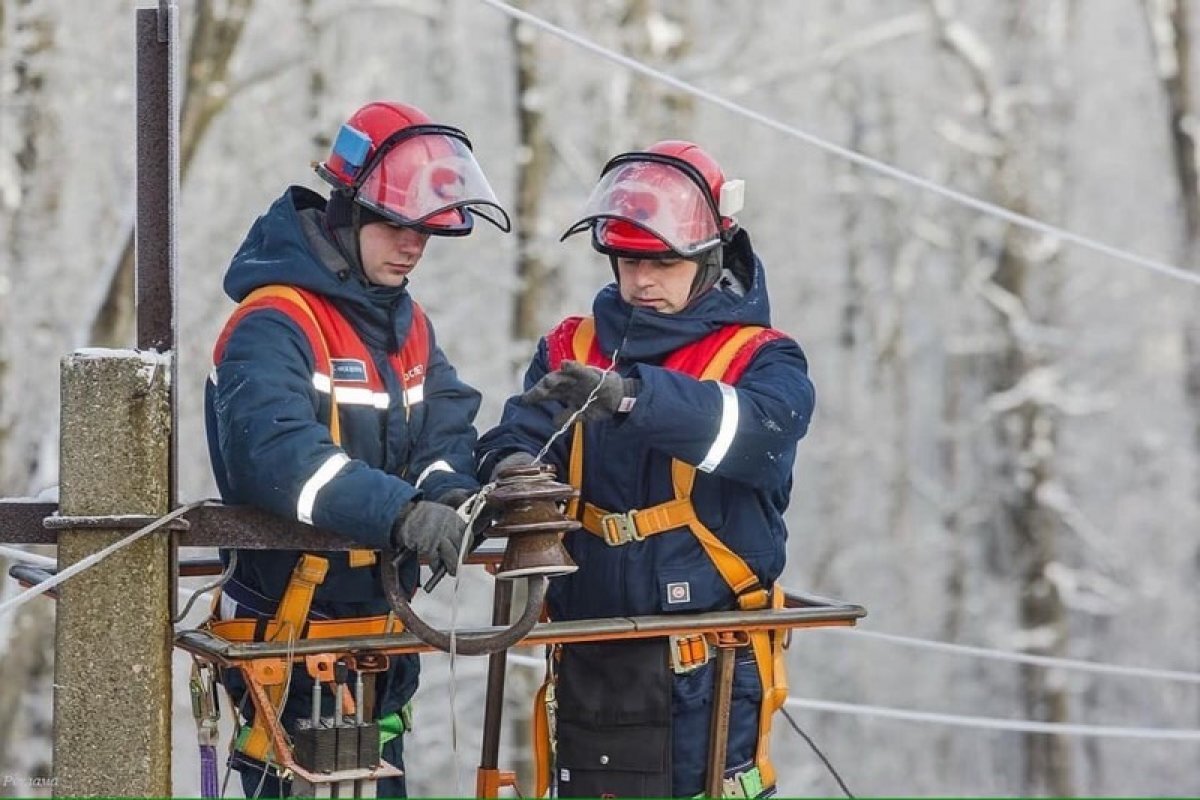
point(454, 497)
point(483, 520)
point(572, 383)
point(514, 460)
point(431, 529)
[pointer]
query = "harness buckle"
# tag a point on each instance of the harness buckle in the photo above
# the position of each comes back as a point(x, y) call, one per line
point(689, 652)
point(620, 529)
point(204, 703)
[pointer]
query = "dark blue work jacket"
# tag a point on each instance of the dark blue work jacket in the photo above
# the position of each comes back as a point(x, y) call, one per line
point(742, 484)
point(267, 409)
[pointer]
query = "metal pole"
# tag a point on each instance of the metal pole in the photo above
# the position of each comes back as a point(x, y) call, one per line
point(718, 730)
point(157, 179)
point(488, 779)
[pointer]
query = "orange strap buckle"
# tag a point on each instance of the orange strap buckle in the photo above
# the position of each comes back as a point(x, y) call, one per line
point(689, 652)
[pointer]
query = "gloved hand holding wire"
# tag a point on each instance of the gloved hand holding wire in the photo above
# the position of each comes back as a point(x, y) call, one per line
point(431, 529)
point(573, 383)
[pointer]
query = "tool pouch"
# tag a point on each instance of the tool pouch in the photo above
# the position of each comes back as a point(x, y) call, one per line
point(614, 720)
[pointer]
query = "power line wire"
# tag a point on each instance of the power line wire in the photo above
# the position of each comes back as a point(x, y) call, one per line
point(48, 584)
point(25, 557)
point(853, 156)
point(993, 723)
point(959, 720)
point(1023, 658)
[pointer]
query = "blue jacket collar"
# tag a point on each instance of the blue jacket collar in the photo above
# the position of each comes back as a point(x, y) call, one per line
point(291, 245)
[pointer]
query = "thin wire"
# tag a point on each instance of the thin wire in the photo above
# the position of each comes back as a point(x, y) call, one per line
point(73, 570)
point(238, 715)
point(591, 398)
point(1002, 655)
point(837, 777)
point(992, 723)
point(1029, 726)
point(287, 690)
point(853, 156)
point(221, 580)
point(1025, 658)
point(16, 554)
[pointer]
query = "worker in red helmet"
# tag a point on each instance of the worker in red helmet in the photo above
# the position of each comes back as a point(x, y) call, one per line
point(331, 403)
point(686, 408)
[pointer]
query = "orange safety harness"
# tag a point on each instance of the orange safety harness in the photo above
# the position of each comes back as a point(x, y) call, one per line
point(722, 355)
point(332, 339)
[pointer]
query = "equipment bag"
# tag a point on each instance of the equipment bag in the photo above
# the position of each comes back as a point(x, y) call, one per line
point(614, 720)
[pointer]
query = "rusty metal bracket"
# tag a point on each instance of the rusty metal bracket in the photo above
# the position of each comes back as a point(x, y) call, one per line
point(56, 522)
point(527, 500)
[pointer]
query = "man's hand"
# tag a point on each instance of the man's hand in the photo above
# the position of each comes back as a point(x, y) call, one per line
point(455, 498)
point(431, 529)
point(573, 383)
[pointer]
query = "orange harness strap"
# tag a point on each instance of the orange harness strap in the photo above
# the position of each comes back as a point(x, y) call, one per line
point(289, 620)
point(541, 739)
point(635, 525)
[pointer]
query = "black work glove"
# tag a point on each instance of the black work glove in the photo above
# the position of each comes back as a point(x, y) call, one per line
point(431, 529)
point(572, 383)
point(514, 460)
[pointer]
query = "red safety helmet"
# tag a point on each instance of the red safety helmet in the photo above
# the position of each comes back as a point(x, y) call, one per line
point(394, 160)
point(671, 199)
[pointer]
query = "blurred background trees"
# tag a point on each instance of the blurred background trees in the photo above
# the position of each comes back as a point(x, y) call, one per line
point(1005, 449)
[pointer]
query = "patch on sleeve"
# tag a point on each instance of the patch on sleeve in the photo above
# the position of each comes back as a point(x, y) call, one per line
point(351, 370)
point(680, 592)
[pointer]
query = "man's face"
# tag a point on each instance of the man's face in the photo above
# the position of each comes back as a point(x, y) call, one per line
point(659, 284)
point(390, 252)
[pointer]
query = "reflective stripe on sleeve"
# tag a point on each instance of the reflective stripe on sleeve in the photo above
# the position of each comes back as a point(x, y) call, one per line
point(728, 429)
point(324, 474)
point(437, 466)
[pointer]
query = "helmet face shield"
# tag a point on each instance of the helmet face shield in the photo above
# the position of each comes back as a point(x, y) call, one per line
point(427, 177)
point(644, 193)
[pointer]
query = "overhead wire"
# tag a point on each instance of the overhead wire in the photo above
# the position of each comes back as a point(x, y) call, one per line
point(965, 721)
point(1023, 658)
point(865, 161)
point(44, 586)
point(993, 723)
point(23, 556)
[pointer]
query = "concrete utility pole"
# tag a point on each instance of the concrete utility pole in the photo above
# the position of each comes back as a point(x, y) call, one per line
point(112, 674)
point(112, 698)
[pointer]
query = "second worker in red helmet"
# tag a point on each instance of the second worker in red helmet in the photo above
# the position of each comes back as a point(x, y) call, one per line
point(683, 458)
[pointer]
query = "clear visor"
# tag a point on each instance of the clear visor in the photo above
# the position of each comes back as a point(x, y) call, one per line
point(427, 175)
point(660, 199)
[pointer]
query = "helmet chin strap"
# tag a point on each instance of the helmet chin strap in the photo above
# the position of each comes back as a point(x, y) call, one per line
point(708, 272)
point(356, 229)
